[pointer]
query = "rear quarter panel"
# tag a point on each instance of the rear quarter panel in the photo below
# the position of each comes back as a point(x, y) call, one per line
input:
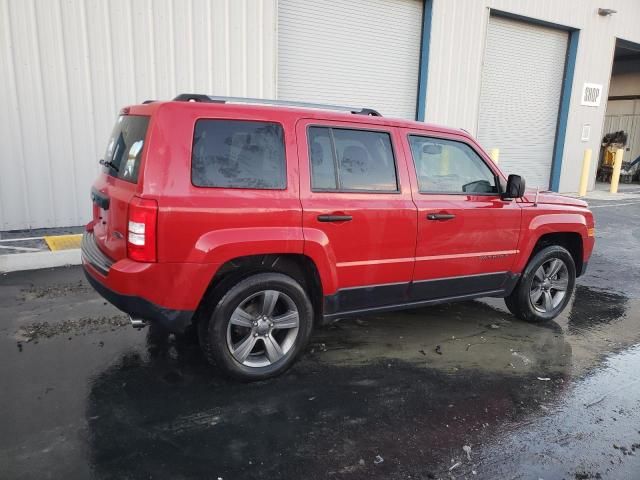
point(214, 225)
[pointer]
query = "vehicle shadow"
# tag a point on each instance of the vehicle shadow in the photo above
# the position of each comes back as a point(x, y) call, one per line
point(394, 395)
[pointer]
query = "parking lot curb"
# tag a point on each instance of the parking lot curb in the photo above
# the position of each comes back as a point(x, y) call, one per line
point(35, 260)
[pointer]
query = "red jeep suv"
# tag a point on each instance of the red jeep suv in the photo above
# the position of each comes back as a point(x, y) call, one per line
point(254, 221)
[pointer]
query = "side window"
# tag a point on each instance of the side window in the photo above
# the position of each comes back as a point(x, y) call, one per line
point(446, 166)
point(238, 154)
point(351, 160)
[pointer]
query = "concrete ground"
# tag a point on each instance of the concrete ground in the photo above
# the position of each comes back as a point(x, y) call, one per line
point(20, 241)
point(627, 192)
point(30, 249)
point(452, 391)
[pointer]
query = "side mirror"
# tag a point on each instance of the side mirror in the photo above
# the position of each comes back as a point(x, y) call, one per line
point(515, 187)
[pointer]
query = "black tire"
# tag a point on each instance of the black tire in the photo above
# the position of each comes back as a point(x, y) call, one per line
point(213, 328)
point(520, 303)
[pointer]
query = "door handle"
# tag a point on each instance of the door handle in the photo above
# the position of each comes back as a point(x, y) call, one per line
point(440, 216)
point(335, 218)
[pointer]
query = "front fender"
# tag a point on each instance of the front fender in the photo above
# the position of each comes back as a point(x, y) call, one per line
point(543, 224)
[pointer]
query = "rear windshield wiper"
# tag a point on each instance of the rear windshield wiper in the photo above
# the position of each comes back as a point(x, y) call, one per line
point(109, 163)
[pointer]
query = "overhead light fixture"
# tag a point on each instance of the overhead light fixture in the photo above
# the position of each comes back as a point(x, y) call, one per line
point(605, 12)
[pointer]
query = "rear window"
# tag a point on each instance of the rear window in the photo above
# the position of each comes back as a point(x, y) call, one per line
point(238, 154)
point(124, 150)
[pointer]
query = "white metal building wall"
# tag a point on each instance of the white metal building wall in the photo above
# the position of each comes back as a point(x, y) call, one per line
point(68, 66)
point(520, 95)
point(458, 33)
point(356, 52)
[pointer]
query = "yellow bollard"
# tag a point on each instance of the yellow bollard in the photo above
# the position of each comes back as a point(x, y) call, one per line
point(494, 153)
point(584, 178)
point(617, 166)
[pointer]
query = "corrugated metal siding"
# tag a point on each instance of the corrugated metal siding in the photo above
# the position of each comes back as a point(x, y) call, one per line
point(67, 66)
point(458, 34)
point(520, 95)
point(359, 53)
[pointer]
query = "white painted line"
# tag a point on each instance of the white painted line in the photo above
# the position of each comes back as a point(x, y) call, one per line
point(19, 239)
point(614, 205)
point(34, 260)
point(24, 249)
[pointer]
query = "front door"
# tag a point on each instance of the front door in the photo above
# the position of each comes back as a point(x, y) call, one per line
point(358, 210)
point(467, 235)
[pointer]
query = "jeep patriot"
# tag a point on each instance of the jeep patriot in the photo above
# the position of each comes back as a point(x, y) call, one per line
point(253, 222)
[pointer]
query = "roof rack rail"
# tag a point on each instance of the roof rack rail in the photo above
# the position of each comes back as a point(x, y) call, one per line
point(199, 97)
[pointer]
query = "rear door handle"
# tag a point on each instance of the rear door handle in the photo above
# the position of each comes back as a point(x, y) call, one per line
point(335, 218)
point(440, 216)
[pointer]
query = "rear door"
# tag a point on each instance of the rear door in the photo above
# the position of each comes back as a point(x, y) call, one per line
point(357, 205)
point(467, 235)
point(118, 183)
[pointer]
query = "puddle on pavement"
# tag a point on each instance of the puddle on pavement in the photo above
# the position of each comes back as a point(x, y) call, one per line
point(412, 387)
point(591, 433)
point(450, 338)
point(161, 412)
point(594, 310)
point(482, 335)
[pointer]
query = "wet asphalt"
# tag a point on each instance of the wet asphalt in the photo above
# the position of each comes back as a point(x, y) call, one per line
point(451, 391)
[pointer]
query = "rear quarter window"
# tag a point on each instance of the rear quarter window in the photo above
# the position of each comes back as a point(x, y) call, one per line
point(124, 150)
point(238, 154)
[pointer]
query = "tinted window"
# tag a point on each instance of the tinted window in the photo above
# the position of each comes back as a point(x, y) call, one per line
point(323, 169)
point(124, 149)
point(363, 159)
point(238, 154)
point(446, 166)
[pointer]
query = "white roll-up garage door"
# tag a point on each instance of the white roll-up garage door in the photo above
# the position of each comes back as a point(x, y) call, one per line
point(520, 96)
point(356, 52)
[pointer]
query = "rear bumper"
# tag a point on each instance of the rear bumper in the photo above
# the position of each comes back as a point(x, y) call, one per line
point(173, 320)
point(163, 293)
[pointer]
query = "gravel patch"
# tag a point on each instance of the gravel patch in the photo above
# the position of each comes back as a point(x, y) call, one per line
point(40, 330)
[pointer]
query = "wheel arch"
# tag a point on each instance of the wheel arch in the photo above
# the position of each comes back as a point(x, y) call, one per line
point(571, 241)
point(300, 267)
point(543, 228)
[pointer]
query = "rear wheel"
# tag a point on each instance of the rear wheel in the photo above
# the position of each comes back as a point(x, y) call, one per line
point(545, 287)
point(258, 327)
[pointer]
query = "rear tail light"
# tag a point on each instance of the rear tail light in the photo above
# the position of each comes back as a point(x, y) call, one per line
point(141, 230)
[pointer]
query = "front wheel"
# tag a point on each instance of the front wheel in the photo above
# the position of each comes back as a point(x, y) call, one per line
point(545, 287)
point(258, 327)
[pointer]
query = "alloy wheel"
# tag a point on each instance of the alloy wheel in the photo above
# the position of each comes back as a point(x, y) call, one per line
point(263, 328)
point(549, 285)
